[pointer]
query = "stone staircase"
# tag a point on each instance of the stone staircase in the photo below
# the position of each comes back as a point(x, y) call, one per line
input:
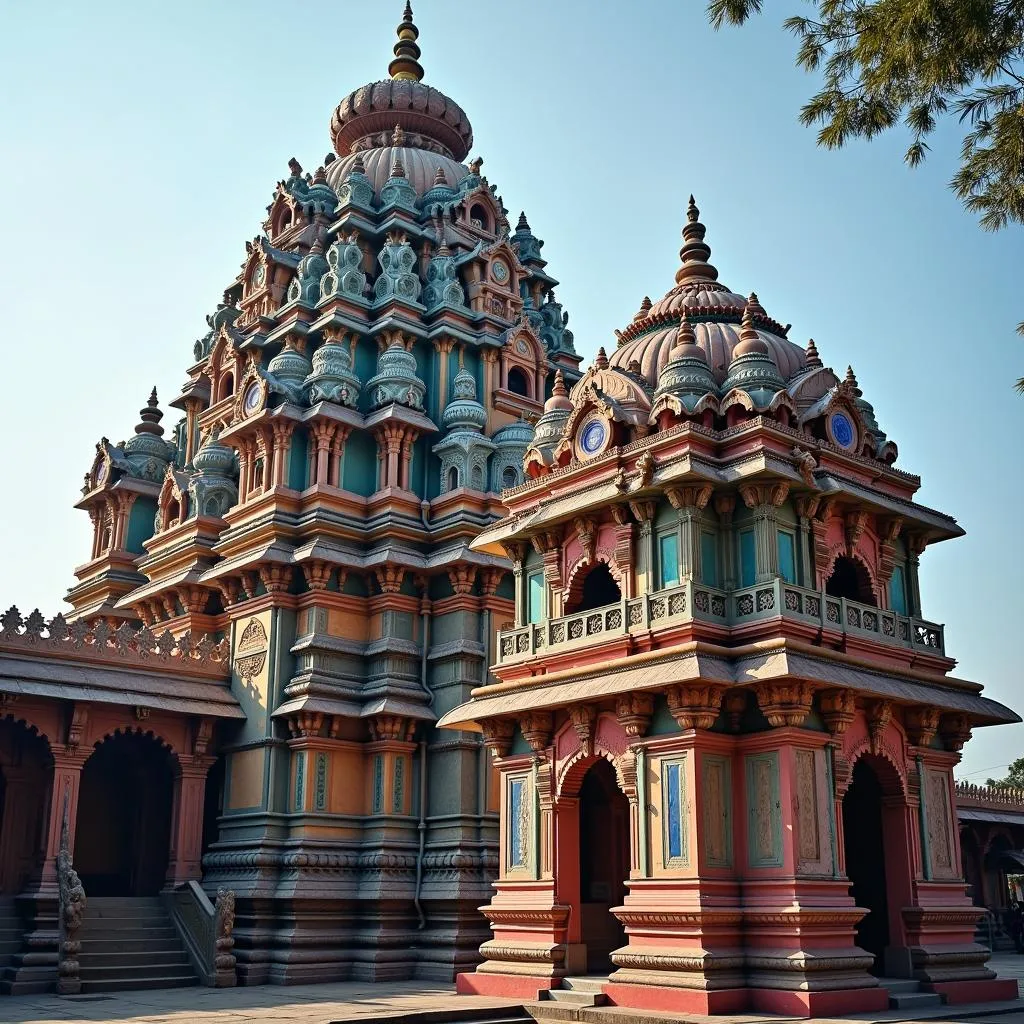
point(130, 943)
point(578, 992)
point(11, 932)
point(906, 994)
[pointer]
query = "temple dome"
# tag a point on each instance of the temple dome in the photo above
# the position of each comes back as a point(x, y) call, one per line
point(420, 166)
point(714, 310)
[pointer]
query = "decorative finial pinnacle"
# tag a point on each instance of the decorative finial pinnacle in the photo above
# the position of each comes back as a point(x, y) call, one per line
point(695, 251)
point(692, 213)
point(406, 65)
point(439, 177)
point(559, 387)
point(397, 168)
point(686, 335)
point(358, 167)
point(523, 224)
point(152, 398)
point(813, 359)
point(601, 361)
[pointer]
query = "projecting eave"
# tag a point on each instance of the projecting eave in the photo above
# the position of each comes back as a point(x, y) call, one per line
point(705, 663)
point(936, 525)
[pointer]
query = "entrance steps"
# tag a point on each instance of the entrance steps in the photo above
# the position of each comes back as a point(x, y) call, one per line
point(11, 932)
point(583, 990)
point(130, 943)
point(906, 994)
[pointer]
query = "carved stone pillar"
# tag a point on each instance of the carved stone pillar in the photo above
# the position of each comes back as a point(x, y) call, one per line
point(187, 820)
point(725, 506)
point(806, 507)
point(516, 551)
point(643, 513)
point(549, 546)
point(764, 500)
point(443, 348)
point(282, 439)
point(916, 545)
point(689, 502)
point(67, 777)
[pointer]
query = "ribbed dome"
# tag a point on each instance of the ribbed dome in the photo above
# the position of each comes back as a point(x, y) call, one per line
point(419, 109)
point(420, 167)
point(717, 339)
point(711, 307)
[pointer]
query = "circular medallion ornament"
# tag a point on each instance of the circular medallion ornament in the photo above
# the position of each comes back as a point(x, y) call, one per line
point(259, 276)
point(253, 398)
point(522, 347)
point(592, 437)
point(842, 431)
point(499, 271)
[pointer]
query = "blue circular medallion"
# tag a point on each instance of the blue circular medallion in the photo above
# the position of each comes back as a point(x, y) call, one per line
point(842, 429)
point(592, 438)
point(252, 397)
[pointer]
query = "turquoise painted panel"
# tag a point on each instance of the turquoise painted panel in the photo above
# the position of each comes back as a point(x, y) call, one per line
point(398, 791)
point(662, 724)
point(360, 470)
point(298, 475)
point(300, 780)
point(535, 596)
point(378, 783)
point(519, 744)
point(673, 798)
point(518, 833)
point(140, 524)
point(709, 558)
point(668, 558)
point(320, 799)
point(898, 591)
point(786, 543)
point(764, 810)
point(748, 559)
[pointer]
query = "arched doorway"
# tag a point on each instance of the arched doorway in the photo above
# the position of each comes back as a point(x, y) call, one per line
point(123, 831)
point(865, 857)
point(850, 579)
point(877, 822)
point(26, 780)
point(597, 588)
point(604, 863)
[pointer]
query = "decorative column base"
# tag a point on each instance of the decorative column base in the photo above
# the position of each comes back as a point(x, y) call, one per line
point(684, 949)
point(945, 957)
point(800, 953)
point(529, 952)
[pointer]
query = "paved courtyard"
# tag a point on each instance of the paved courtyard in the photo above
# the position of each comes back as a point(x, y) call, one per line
point(366, 1001)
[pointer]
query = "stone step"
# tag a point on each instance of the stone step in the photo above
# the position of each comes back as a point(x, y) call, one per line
point(132, 956)
point(93, 947)
point(586, 983)
point(567, 995)
point(914, 1000)
point(142, 933)
point(122, 970)
point(894, 985)
point(121, 985)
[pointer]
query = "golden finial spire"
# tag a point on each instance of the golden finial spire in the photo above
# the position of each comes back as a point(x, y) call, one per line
point(406, 65)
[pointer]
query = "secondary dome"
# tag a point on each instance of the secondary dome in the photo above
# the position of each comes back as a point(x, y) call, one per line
point(714, 310)
point(401, 118)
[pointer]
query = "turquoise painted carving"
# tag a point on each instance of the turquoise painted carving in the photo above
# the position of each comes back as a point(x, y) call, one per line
point(398, 792)
point(396, 379)
point(321, 782)
point(344, 274)
point(332, 378)
point(398, 279)
point(300, 780)
point(378, 783)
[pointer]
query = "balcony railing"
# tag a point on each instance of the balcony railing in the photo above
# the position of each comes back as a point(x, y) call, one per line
point(691, 602)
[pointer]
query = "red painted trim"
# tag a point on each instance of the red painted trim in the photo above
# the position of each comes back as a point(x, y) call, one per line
point(668, 999)
point(839, 1003)
point(980, 991)
point(512, 986)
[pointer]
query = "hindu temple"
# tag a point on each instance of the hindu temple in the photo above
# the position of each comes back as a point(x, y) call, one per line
point(406, 649)
point(725, 732)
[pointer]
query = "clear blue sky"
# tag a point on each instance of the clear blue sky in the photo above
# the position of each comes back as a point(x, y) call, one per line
point(141, 142)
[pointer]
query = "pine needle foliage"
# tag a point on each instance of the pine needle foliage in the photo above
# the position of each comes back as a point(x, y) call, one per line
point(884, 62)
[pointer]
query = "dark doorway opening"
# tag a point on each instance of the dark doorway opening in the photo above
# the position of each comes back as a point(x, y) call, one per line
point(123, 831)
point(213, 804)
point(865, 859)
point(604, 863)
point(599, 588)
point(26, 782)
point(850, 579)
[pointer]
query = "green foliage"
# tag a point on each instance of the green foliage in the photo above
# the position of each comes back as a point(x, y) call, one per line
point(917, 61)
point(1014, 778)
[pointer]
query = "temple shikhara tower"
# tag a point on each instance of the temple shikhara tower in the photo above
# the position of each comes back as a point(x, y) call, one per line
point(406, 649)
point(726, 734)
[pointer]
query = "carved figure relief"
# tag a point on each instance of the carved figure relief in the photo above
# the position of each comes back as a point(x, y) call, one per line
point(937, 800)
point(251, 653)
point(808, 824)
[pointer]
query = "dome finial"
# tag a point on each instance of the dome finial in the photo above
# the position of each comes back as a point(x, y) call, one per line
point(750, 340)
point(559, 400)
point(851, 382)
point(601, 360)
point(695, 250)
point(406, 65)
point(150, 417)
point(812, 359)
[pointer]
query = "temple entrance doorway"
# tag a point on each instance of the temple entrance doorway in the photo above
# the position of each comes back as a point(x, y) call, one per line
point(26, 779)
point(864, 847)
point(604, 863)
point(123, 830)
